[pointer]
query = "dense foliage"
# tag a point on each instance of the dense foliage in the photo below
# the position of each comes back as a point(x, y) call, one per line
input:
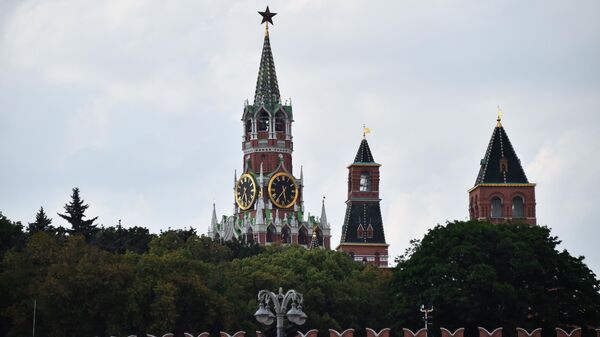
point(479, 274)
point(92, 280)
point(193, 284)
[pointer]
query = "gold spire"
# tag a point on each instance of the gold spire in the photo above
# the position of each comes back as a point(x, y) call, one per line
point(366, 131)
point(499, 119)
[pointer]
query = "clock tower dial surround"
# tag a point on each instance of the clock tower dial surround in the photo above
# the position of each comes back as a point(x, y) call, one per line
point(245, 191)
point(283, 190)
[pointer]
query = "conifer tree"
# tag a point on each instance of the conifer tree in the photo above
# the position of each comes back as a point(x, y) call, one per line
point(75, 214)
point(41, 223)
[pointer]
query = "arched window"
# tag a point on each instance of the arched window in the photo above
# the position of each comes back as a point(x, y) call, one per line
point(279, 121)
point(271, 233)
point(370, 232)
point(248, 125)
point(285, 235)
point(303, 236)
point(319, 237)
point(496, 211)
point(517, 208)
point(365, 182)
point(360, 232)
point(263, 121)
point(249, 235)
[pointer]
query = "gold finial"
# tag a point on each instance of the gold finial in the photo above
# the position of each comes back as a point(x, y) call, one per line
point(366, 131)
point(499, 119)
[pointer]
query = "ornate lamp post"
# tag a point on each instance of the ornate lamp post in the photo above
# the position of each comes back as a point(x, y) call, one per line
point(426, 316)
point(280, 303)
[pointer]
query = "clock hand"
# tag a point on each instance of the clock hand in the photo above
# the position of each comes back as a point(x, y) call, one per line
point(283, 193)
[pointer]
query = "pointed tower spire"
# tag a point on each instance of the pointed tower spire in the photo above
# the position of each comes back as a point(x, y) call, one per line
point(502, 192)
point(277, 219)
point(261, 179)
point(267, 89)
point(324, 223)
point(500, 163)
point(213, 221)
point(363, 155)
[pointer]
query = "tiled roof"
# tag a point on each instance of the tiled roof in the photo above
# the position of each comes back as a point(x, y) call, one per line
point(364, 153)
point(500, 164)
point(365, 214)
point(267, 89)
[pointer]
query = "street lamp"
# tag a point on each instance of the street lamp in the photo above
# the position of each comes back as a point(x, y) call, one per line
point(280, 303)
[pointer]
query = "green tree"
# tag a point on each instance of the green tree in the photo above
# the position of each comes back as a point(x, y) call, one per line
point(80, 290)
point(119, 239)
point(75, 214)
point(480, 274)
point(11, 234)
point(41, 223)
point(338, 292)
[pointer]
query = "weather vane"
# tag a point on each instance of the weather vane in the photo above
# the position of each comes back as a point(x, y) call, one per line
point(366, 131)
point(267, 17)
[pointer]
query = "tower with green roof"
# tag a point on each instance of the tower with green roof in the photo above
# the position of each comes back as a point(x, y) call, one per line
point(268, 197)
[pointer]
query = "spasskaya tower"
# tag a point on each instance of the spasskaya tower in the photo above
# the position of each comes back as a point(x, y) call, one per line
point(268, 197)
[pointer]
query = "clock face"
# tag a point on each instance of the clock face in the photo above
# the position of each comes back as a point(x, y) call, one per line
point(283, 190)
point(245, 191)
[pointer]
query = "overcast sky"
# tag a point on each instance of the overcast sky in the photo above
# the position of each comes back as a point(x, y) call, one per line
point(138, 103)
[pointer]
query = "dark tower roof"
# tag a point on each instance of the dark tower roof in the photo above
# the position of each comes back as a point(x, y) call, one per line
point(364, 153)
point(500, 164)
point(267, 90)
point(363, 214)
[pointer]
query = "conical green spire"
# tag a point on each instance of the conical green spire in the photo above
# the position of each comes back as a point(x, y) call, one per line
point(267, 90)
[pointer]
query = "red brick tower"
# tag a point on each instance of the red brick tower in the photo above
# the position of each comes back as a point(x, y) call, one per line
point(268, 198)
point(502, 192)
point(362, 233)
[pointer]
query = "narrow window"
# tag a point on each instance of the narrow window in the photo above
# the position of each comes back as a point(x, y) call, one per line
point(365, 182)
point(285, 235)
point(249, 236)
point(496, 208)
point(263, 121)
point(517, 208)
point(303, 236)
point(279, 122)
point(271, 233)
point(370, 232)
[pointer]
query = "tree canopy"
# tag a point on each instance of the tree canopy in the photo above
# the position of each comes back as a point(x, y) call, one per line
point(121, 281)
point(192, 285)
point(480, 274)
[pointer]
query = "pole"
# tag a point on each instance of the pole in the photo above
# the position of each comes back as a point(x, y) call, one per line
point(34, 310)
point(280, 329)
